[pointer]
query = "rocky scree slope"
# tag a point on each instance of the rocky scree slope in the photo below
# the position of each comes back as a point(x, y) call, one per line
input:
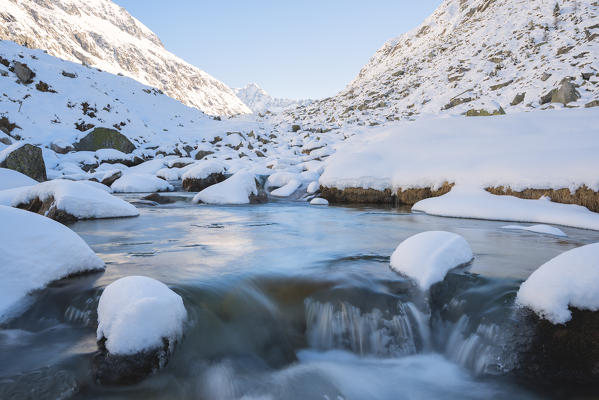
point(474, 57)
point(101, 34)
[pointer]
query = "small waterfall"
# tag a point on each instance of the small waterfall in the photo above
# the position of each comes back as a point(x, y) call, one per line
point(344, 326)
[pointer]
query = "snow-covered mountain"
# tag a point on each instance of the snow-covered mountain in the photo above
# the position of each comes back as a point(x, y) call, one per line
point(477, 56)
point(259, 101)
point(101, 34)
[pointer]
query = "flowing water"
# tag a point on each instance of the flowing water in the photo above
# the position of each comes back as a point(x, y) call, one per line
point(289, 301)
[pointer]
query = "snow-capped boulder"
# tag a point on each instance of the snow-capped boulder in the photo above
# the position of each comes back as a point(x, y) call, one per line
point(35, 251)
point(319, 201)
point(204, 174)
point(67, 201)
point(238, 189)
point(428, 256)
point(10, 179)
point(313, 187)
point(140, 183)
point(24, 158)
point(104, 138)
point(288, 189)
point(139, 322)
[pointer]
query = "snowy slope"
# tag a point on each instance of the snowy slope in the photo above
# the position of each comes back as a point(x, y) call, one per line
point(480, 53)
point(102, 34)
point(259, 101)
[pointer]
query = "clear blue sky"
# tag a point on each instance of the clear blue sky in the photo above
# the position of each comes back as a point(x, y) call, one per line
point(295, 49)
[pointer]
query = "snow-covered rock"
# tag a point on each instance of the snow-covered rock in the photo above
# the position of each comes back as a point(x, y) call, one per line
point(136, 313)
point(10, 179)
point(238, 189)
point(318, 201)
point(77, 199)
point(469, 202)
point(313, 187)
point(288, 189)
point(259, 101)
point(568, 280)
point(104, 35)
point(428, 256)
point(203, 174)
point(546, 229)
point(140, 183)
point(35, 251)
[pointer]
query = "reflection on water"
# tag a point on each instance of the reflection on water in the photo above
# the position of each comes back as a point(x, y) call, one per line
point(286, 301)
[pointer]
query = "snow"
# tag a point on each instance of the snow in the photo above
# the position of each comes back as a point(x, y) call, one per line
point(471, 202)
point(112, 155)
point(568, 280)
point(259, 101)
point(318, 201)
point(546, 229)
point(140, 183)
point(82, 200)
point(288, 189)
point(313, 187)
point(34, 251)
point(12, 179)
point(234, 190)
point(428, 256)
point(535, 150)
point(205, 168)
point(135, 313)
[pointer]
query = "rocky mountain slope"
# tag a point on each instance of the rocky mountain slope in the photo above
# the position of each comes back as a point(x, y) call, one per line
point(259, 101)
point(474, 57)
point(101, 34)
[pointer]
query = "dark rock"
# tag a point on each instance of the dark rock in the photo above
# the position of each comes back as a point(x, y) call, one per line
point(484, 113)
point(594, 103)
point(44, 87)
point(6, 126)
point(48, 208)
point(155, 197)
point(110, 369)
point(5, 140)
point(129, 162)
point(565, 94)
point(69, 74)
point(587, 75)
point(518, 99)
point(545, 76)
point(27, 160)
point(456, 102)
point(203, 153)
point(197, 185)
point(181, 164)
point(105, 138)
point(261, 197)
point(109, 180)
point(57, 148)
point(23, 72)
point(295, 128)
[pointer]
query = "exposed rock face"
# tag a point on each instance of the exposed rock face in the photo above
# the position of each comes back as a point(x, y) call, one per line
point(102, 34)
point(23, 72)
point(565, 94)
point(61, 148)
point(372, 196)
point(157, 198)
point(48, 208)
point(109, 180)
point(583, 196)
point(105, 138)
point(197, 185)
point(27, 160)
point(202, 153)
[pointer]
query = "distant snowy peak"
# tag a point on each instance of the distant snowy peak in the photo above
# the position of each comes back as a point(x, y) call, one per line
point(101, 34)
point(474, 56)
point(259, 101)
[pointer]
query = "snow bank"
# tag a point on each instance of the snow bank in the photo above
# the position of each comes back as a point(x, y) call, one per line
point(10, 179)
point(313, 187)
point(235, 190)
point(318, 201)
point(542, 149)
point(135, 313)
point(140, 183)
point(546, 229)
point(82, 200)
point(34, 251)
point(468, 202)
point(428, 256)
point(568, 280)
point(288, 189)
point(205, 168)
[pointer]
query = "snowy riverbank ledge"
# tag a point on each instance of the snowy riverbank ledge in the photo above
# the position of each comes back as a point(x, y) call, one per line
point(34, 251)
point(568, 280)
point(428, 256)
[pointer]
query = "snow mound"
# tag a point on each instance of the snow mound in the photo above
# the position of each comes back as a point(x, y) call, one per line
point(568, 280)
point(546, 229)
point(34, 251)
point(10, 179)
point(80, 199)
point(235, 190)
point(428, 256)
point(205, 168)
point(319, 201)
point(288, 189)
point(140, 183)
point(135, 314)
point(313, 187)
point(469, 202)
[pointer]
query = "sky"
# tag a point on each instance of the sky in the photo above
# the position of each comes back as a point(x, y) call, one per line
point(292, 49)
